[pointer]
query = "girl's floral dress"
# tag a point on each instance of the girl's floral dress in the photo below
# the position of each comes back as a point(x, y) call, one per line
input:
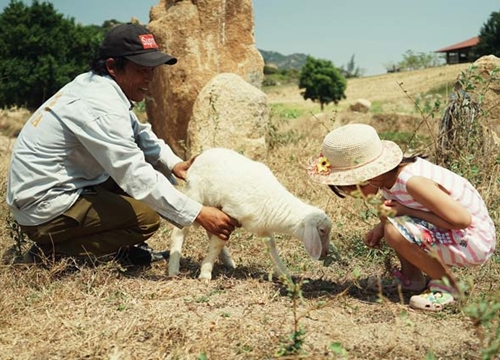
point(462, 247)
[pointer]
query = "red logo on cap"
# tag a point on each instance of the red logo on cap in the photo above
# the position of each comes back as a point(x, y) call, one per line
point(148, 41)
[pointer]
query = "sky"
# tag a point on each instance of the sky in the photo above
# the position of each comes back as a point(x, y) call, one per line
point(376, 32)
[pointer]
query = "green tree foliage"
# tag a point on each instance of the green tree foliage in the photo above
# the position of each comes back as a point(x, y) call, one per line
point(489, 37)
point(351, 70)
point(415, 61)
point(40, 51)
point(322, 82)
point(274, 76)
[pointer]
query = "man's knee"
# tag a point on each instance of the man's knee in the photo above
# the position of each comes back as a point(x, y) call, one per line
point(148, 219)
point(153, 223)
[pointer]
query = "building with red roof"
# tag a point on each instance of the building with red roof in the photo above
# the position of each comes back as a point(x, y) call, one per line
point(461, 52)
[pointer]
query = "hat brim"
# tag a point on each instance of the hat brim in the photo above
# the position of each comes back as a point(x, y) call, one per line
point(152, 58)
point(390, 157)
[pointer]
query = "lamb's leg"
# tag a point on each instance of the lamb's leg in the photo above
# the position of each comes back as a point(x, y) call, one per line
point(279, 268)
point(176, 242)
point(214, 249)
point(225, 258)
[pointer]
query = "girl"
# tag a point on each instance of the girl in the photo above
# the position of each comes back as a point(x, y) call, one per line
point(439, 220)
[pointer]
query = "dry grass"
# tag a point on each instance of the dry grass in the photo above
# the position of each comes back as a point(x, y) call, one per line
point(109, 313)
point(12, 120)
point(392, 90)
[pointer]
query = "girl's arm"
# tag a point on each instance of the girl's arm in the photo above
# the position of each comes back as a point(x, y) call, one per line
point(445, 212)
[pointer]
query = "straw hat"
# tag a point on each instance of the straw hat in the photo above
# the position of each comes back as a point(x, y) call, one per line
point(352, 154)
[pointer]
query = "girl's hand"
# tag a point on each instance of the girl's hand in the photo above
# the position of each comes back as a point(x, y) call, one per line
point(374, 236)
point(395, 207)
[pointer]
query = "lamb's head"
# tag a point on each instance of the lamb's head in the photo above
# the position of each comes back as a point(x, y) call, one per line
point(314, 230)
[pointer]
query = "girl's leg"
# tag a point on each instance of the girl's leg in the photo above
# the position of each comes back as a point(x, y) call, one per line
point(409, 270)
point(415, 260)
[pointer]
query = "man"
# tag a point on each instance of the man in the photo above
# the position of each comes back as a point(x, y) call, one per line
point(86, 177)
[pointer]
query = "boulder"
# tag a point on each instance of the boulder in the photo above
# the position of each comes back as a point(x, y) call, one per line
point(208, 38)
point(231, 113)
point(361, 105)
point(491, 102)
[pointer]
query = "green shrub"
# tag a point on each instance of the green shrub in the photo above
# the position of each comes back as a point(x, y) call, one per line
point(40, 51)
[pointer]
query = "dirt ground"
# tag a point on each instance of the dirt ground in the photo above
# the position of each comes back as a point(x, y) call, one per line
point(71, 311)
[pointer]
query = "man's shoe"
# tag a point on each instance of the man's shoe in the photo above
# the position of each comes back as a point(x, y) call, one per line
point(155, 255)
point(141, 255)
point(39, 254)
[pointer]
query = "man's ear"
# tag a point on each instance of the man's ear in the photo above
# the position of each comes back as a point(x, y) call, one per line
point(110, 65)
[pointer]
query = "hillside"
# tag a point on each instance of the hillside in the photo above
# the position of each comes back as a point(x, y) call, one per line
point(389, 87)
point(283, 62)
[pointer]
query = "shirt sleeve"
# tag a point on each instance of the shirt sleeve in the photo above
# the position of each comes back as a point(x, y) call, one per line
point(127, 151)
point(156, 151)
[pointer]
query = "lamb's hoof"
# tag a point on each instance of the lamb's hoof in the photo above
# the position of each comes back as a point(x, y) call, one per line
point(205, 276)
point(173, 272)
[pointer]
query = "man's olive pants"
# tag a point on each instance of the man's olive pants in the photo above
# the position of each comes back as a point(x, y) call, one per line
point(101, 221)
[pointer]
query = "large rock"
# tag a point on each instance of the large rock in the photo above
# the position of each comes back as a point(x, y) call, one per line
point(491, 105)
point(230, 113)
point(208, 38)
point(361, 105)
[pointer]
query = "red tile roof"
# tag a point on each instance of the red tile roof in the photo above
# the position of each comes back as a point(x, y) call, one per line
point(464, 44)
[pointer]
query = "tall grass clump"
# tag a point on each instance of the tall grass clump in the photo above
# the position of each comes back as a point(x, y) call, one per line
point(467, 145)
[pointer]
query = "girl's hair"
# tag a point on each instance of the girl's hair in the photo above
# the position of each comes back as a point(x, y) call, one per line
point(98, 65)
point(404, 161)
point(412, 159)
point(336, 191)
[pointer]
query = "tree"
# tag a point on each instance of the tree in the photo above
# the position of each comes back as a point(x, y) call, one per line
point(322, 82)
point(415, 61)
point(489, 37)
point(40, 51)
point(351, 70)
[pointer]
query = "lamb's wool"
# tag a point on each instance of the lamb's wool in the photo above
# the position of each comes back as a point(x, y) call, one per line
point(248, 191)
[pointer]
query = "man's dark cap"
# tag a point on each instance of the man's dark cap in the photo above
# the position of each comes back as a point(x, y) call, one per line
point(135, 43)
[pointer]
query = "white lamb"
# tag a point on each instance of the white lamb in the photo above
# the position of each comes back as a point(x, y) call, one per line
point(249, 192)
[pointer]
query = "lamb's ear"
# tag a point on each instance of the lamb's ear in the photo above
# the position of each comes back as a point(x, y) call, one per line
point(312, 241)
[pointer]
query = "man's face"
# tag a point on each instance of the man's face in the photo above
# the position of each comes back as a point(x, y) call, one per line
point(134, 79)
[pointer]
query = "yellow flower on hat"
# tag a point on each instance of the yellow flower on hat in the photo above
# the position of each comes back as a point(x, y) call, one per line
point(323, 165)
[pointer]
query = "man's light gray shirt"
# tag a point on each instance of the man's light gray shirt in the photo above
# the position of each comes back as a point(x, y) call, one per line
point(80, 137)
